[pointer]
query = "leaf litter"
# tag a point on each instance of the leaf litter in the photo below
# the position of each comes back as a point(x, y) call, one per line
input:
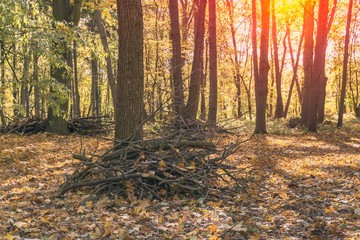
point(300, 186)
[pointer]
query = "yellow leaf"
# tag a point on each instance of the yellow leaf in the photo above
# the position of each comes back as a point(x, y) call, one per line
point(255, 236)
point(192, 166)
point(212, 228)
point(81, 209)
point(162, 164)
point(9, 237)
point(214, 238)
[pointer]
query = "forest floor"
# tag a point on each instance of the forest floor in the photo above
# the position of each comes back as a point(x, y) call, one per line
point(296, 186)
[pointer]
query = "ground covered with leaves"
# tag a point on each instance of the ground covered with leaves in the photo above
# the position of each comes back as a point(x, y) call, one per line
point(295, 186)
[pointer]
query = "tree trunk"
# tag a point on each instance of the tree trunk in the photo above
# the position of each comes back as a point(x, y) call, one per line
point(345, 65)
point(95, 110)
point(56, 121)
point(109, 67)
point(192, 104)
point(76, 94)
point(307, 58)
point(212, 63)
point(279, 104)
point(2, 84)
point(295, 65)
point(323, 80)
point(261, 86)
point(129, 111)
point(177, 61)
point(36, 83)
point(318, 77)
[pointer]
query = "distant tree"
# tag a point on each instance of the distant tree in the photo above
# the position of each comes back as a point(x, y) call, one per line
point(345, 64)
point(213, 63)
point(129, 111)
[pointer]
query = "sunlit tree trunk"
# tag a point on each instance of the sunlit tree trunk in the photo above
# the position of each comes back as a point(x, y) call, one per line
point(254, 46)
point(345, 65)
point(261, 86)
point(318, 77)
point(130, 81)
point(323, 80)
point(192, 104)
point(212, 63)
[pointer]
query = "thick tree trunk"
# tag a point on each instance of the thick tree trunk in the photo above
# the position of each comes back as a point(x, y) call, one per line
point(318, 77)
point(56, 121)
point(307, 58)
point(129, 111)
point(177, 61)
point(192, 104)
point(345, 65)
point(24, 97)
point(261, 86)
point(213, 63)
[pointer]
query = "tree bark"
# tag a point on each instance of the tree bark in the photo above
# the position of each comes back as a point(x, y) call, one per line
point(212, 63)
point(307, 58)
point(129, 111)
point(261, 86)
point(192, 104)
point(318, 77)
point(279, 104)
point(345, 65)
point(56, 121)
point(177, 61)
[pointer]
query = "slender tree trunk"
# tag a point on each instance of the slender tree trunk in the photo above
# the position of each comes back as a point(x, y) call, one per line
point(95, 111)
point(203, 82)
point(76, 94)
point(24, 97)
point(295, 64)
point(307, 58)
point(345, 65)
point(177, 61)
point(323, 80)
point(130, 107)
point(279, 104)
point(192, 104)
point(2, 83)
point(318, 77)
point(213, 63)
point(36, 83)
point(261, 86)
point(109, 67)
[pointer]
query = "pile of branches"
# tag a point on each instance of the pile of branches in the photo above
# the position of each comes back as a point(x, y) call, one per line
point(91, 125)
point(26, 126)
point(156, 168)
